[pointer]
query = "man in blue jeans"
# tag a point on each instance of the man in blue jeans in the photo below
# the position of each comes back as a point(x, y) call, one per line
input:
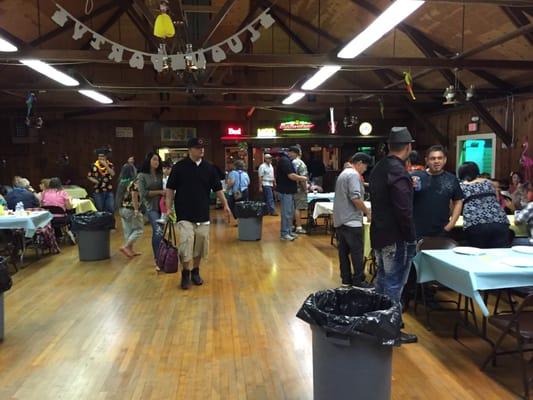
point(267, 183)
point(286, 179)
point(100, 175)
point(392, 230)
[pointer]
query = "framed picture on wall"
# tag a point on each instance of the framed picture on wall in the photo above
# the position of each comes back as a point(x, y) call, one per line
point(177, 134)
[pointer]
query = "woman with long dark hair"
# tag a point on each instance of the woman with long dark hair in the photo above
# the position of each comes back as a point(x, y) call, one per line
point(151, 189)
point(129, 209)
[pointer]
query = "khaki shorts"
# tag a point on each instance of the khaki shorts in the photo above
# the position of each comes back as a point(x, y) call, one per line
point(194, 240)
point(300, 201)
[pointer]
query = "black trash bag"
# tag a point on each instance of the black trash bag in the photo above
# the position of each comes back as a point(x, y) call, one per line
point(250, 209)
point(5, 279)
point(354, 312)
point(93, 221)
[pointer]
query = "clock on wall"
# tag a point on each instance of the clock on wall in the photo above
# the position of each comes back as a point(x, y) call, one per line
point(365, 128)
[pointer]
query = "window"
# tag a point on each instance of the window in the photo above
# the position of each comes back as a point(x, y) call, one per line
point(480, 149)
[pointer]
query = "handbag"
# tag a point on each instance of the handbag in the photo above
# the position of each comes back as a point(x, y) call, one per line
point(237, 194)
point(167, 254)
point(5, 279)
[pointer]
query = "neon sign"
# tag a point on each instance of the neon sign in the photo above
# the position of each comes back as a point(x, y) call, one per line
point(266, 132)
point(297, 125)
point(234, 131)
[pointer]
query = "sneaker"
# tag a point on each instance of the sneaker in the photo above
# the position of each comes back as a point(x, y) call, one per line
point(287, 238)
point(406, 338)
point(364, 285)
point(300, 230)
point(294, 236)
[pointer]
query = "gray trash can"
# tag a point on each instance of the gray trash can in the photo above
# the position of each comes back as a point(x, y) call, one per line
point(350, 367)
point(250, 215)
point(250, 228)
point(353, 332)
point(93, 231)
point(94, 246)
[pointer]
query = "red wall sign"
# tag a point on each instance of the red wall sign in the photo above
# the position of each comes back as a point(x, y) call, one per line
point(234, 131)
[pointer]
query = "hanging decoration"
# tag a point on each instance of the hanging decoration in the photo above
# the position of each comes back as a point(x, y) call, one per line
point(178, 61)
point(31, 120)
point(381, 107)
point(526, 162)
point(409, 83)
point(163, 26)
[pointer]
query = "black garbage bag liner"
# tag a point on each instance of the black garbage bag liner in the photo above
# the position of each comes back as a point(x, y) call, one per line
point(93, 221)
point(250, 209)
point(354, 312)
point(5, 279)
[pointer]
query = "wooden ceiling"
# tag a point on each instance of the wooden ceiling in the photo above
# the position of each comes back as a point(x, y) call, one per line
point(307, 34)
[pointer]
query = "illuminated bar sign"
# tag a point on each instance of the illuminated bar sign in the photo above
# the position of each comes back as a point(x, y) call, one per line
point(266, 132)
point(297, 125)
point(234, 131)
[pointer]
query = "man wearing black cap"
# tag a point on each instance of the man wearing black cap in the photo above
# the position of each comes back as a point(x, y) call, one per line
point(349, 209)
point(392, 229)
point(189, 186)
point(286, 179)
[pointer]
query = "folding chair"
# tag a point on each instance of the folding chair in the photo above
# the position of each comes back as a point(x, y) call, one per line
point(518, 325)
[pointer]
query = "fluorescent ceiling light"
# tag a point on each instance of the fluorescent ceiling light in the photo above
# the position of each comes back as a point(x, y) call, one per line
point(320, 77)
point(99, 97)
point(6, 46)
point(293, 98)
point(50, 72)
point(392, 16)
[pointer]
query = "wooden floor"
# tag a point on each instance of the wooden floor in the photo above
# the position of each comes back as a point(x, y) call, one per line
point(116, 330)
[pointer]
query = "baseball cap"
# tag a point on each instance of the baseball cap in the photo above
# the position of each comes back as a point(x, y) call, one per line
point(399, 135)
point(196, 142)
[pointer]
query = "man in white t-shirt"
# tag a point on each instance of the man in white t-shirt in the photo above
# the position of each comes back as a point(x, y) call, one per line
point(267, 183)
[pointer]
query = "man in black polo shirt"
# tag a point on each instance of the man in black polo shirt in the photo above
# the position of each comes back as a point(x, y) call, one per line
point(392, 230)
point(286, 178)
point(189, 186)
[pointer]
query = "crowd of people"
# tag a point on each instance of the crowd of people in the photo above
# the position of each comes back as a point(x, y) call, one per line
point(410, 200)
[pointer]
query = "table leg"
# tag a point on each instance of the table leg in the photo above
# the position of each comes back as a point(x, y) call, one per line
point(473, 328)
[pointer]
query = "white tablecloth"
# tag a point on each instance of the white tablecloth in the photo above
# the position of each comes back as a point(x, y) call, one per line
point(30, 223)
point(326, 208)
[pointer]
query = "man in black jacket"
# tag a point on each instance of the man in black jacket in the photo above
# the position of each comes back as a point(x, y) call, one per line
point(392, 230)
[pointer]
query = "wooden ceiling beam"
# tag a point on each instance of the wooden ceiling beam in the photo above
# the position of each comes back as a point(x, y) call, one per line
point(105, 27)
point(215, 23)
point(519, 19)
point(68, 26)
point(428, 47)
point(145, 12)
point(291, 61)
point(143, 28)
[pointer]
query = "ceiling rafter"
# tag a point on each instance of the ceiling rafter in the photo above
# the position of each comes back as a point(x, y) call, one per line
point(143, 27)
point(105, 27)
point(215, 23)
point(428, 46)
point(52, 34)
point(519, 19)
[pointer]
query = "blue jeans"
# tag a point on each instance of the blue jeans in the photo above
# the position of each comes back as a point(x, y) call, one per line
point(268, 194)
point(394, 263)
point(104, 201)
point(287, 213)
point(157, 230)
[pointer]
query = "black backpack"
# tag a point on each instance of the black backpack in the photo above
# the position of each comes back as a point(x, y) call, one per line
point(5, 278)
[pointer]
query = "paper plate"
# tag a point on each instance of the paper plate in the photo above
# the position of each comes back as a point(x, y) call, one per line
point(470, 251)
point(523, 249)
point(519, 262)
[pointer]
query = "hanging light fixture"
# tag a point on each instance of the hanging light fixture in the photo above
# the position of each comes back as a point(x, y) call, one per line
point(470, 92)
point(449, 95)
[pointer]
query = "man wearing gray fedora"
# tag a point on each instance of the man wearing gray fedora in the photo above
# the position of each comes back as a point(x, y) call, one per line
point(392, 229)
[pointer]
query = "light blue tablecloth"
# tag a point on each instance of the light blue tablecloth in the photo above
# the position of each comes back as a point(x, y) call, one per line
point(470, 274)
point(313, 196)
point(30, 223)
